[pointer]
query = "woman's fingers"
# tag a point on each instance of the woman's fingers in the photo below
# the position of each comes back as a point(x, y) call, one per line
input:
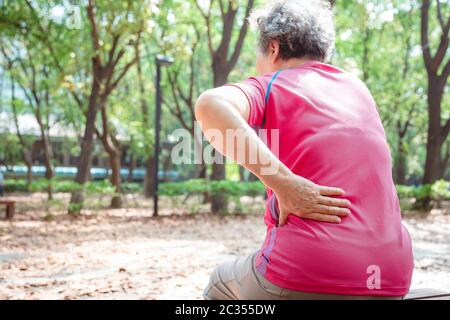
point(334, 202)
point(324, 214)
point(336, 211)
point(282, 218)
point(330, 191)
point(323, 217)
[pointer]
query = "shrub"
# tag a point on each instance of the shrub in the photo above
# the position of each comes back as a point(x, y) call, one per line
point(199, 186)
point(440, 190)
point(58, 186)
point(11, 185)
point(131, 187)
point(405, 191)
point(103, 187)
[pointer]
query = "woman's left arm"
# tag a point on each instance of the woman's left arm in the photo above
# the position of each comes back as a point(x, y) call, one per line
point(225, 110)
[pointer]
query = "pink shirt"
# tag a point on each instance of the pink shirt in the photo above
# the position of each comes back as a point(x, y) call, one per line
point(330, 132)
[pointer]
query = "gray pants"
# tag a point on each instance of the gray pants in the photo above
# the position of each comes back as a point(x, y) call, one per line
point(240, 280)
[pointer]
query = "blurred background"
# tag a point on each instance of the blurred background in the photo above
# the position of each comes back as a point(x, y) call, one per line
point(78, 93)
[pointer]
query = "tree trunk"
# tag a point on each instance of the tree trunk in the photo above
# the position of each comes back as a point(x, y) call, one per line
point(84, 161)
point(166, 167)
point(201, 173)
point(114, 161)
point(26, 152)
point(218, 201)
point(401, 163)
point(29, 165)
point(131, 168)
point(436, 84)
point(113, 147)
point(49, 170)
point(241, 174)
point(433, 169)
point(252, 177)
point(433, 162)
point(148, 180)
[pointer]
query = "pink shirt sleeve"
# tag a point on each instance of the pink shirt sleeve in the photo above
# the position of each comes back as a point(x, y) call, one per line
point(255, 91)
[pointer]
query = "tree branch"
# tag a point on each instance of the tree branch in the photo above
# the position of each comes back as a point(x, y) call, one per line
point(240, 40)
point(445, 131)
point(222, 8)
point(42, 36)
point(94, 35)
point(424, 34)
point(177, 112)
point(207, 17)
point(124, 71)
point(408, 120)
point(446, 71)
point(439, 14)
point(446, 159)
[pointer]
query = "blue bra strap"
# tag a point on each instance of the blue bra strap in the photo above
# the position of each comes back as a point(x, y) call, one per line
point(268, 93)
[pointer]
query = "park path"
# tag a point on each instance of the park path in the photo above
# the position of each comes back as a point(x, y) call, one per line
point(121, 254)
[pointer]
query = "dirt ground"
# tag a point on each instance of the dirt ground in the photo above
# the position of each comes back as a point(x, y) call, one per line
point(124, 254)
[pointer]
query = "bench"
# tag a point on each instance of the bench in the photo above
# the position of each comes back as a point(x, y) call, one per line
point(10, 206)
point(427, 294)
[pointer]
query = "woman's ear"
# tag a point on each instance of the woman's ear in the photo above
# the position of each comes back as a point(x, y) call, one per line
point(274, 51)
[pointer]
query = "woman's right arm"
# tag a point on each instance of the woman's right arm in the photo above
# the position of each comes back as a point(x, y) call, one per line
point(227, 108)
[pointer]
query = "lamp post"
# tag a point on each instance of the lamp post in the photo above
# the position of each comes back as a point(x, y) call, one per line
point(160, 61)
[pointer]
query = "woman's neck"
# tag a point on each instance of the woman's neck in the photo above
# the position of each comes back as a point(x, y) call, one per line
point(294, 62)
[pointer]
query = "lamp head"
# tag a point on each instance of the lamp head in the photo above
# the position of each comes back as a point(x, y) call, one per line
point(163, 61)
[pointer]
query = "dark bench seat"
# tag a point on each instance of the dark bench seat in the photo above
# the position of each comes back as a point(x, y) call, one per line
point(10, 207)
point(427, 294)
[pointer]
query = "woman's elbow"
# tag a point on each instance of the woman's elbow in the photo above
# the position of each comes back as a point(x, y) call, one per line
point(206, 105)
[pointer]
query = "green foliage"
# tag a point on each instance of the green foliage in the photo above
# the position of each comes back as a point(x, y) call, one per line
point(42, 185)
point(200, 186)
point(10, 149)
point(15, 185)
point(405, 191)
point(103, 187)
point(131, 187)
point(440, 190)
point(193, 186)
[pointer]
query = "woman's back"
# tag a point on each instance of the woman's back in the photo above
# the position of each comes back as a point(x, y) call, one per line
point(330, 133)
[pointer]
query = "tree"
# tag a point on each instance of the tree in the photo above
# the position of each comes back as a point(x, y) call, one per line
point(111, 30)
point(28, 69)
point(183, 80)
point(407, 92)
point(381, 46)
point(106, 75)
point(224, 57)
point(147, 143)
point(24, 143)
point(438, 70)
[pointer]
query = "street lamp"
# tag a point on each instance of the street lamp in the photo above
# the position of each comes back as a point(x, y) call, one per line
point(160, 61)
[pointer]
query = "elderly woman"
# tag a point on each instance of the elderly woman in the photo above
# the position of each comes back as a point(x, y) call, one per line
point(320, 242)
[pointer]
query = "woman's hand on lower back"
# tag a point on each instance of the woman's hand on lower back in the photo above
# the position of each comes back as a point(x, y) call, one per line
point(305, 199)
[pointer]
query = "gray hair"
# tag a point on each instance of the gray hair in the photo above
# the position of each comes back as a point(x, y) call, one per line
point(303, 28)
